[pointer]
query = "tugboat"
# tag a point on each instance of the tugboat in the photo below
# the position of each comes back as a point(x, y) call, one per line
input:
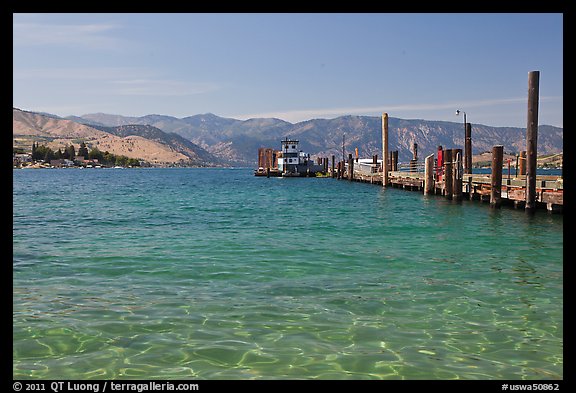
point(290, 161)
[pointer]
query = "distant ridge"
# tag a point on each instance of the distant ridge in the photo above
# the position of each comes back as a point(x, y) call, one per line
point(208, 139)
point(238, 140)
point(143, 142)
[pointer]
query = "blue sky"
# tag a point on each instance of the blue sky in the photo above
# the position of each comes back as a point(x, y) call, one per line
point(290, 66)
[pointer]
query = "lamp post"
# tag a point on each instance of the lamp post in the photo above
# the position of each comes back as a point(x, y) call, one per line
point(458, 114)
point(467, 144)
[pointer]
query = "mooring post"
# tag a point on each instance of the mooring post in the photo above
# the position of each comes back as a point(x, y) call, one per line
point(385, 167)
point(350, 167)
point(532, 139)
point(429, 175)
point(496, 176)
point(333, 164)
point(522, 164)
point(457, 175)
point(394, 160)
point(448, 175)
point(414, 160)
point(468, 149)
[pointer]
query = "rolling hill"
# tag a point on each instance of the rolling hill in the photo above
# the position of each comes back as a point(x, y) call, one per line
point(211, 140)
point(238, 141)
point(143, 142)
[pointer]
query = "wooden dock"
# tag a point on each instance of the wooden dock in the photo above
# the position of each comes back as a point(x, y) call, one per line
point(549, 189)
point(450, 174)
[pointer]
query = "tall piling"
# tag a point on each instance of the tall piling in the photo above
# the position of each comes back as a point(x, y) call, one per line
point(532, 139)
point(429, 175)
point(333, 164)
point(448, 175)
point(457, 175)
point(385, 166)
point(496, 176)
point(350, 167)
point(468, 149)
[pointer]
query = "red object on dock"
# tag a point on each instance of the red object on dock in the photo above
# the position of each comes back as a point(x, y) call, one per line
point(440, 164)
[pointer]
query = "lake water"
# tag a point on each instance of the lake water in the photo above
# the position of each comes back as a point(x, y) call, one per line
point(216, 274)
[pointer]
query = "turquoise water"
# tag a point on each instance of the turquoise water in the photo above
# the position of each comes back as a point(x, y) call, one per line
point(217, 274)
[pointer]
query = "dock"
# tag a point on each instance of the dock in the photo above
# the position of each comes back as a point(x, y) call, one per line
point(549, 189)
point(447, 173)
point(450, 173)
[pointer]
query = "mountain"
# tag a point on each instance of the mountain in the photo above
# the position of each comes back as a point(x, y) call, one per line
point(208, 139)
point(135, 141)
point(238, 140)
point(233, 141)
point(175, 141)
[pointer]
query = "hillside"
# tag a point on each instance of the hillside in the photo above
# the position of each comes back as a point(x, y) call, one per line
point(175, 141)
point(238, 141)
point(142, 142)
point(207, 139)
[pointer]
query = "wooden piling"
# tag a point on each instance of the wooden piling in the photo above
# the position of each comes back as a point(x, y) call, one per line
point(496, 176)
point(532, 139)
point(470, 188)
point(385, 167)
point(333, 163)
point(414, 160)
point(350, 167)
point(394, 164)
point(457, 174)
point(429, 175)
point(448, 175)
point(468, 149)
point(522, 164)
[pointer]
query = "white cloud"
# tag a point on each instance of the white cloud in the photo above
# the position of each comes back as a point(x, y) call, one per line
point(126, 81)
point(403, 110)
point(88, 35)
point(84, 73)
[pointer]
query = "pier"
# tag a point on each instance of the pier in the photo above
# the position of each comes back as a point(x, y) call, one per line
point(450, 174)
point(479, 187)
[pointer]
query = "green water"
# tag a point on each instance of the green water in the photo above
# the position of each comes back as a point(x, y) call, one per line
point(217, 274)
